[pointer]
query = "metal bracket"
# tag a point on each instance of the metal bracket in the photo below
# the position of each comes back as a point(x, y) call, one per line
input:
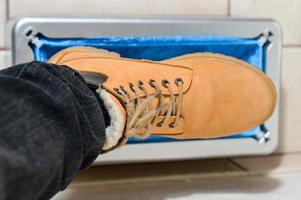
point(31, 35)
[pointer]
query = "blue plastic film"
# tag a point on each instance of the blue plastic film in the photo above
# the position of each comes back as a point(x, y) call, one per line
point(160, 48)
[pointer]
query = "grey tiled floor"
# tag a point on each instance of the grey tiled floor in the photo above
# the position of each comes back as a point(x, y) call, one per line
point(274, 177)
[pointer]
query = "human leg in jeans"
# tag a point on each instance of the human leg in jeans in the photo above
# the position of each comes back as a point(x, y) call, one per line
point(51, 125)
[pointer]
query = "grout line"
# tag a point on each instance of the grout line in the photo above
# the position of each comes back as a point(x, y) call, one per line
point(7, 10)
point(272, 155)
point(268, 156)
point(228, 8)
point(287, 153)
point(291, 45)
point(237, 165)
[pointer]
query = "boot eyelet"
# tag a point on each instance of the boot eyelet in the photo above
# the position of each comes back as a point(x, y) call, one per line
point(132, 87)
point(152, 83)
point(177, 80)
point(131, 84)
point(165, 83)
point(123, 89)
point(117, 91)
point(172, 125)
point(159, 124)
point(140, 82)
point(141, 85)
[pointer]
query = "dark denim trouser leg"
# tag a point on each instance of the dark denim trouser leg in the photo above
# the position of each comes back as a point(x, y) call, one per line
point(51, 125)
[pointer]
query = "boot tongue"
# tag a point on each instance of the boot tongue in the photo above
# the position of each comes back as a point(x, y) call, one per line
point(115, 130)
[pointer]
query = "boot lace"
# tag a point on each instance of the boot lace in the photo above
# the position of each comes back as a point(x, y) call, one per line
point(141, 113)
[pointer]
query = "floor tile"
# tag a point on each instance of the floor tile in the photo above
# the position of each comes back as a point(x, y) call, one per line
point(276, 187)
point(3, 14)
point(154, 171)
point(287, 13)
point(271, 164)
point(5, 59)
point(117, 7)
point(290, 101)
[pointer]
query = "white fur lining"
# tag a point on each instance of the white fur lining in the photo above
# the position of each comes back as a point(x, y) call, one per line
point(115, 130)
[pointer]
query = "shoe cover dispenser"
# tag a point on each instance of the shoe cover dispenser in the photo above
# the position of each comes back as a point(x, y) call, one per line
point(257, 42)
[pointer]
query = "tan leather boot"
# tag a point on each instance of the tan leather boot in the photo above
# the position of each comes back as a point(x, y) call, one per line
point(192, 96)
